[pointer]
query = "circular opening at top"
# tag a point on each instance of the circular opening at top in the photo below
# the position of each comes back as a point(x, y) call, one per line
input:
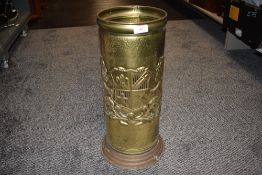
point(132, 15)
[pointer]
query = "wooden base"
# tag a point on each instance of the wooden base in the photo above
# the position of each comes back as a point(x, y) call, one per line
point(133, 161)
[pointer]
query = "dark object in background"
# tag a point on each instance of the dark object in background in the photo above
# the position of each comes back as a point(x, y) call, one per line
point(244, 21)
point(8, 35)
point(210, 5)
point(8, 13)
point(59, 12)
point(35, 8)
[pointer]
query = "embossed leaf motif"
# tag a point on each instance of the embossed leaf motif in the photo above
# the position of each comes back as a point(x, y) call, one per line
point(104, 72)
point(159, 69)
point(122, 80)
point(129, 85)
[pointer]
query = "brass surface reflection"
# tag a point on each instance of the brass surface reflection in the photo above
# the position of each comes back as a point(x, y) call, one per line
point(132, 58)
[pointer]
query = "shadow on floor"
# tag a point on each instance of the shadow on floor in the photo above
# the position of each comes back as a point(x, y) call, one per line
point(250, 60)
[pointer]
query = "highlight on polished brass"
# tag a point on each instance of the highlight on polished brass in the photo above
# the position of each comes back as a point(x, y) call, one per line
point(132, 58)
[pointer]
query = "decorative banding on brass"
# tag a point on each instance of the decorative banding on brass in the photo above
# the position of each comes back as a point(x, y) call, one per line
point(155, 18)
point(137, 161)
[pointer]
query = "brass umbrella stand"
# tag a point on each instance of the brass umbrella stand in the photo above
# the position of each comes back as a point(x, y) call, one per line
point(132, 57)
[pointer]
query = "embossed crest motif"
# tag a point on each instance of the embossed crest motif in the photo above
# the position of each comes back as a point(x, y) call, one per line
point(129, 96)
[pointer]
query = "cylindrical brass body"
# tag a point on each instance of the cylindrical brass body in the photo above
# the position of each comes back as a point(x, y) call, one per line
point(132, 46)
